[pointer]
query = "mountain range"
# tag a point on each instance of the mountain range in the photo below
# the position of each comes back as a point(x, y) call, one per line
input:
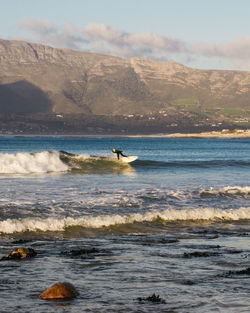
point(39, 79)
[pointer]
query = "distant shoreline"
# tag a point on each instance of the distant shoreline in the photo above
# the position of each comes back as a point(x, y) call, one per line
point(224, 134)
point(215, 134)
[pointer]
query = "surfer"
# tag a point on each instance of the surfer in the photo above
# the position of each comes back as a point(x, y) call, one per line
point(118, 153)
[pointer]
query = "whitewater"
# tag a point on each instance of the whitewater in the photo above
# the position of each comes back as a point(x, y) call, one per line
point(55, 224)
point(26, 163)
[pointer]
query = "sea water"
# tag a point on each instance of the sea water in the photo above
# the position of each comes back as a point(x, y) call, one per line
point(174, 223)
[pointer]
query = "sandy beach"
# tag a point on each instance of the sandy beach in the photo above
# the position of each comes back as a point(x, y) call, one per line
point(237, 133)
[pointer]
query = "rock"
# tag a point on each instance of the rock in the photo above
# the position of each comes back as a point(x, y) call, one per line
point(199, 254)
point(20, 253)
point(20, 241)
point(242, 272)
point(60, 291)
point(153, 298)
point(80, 252)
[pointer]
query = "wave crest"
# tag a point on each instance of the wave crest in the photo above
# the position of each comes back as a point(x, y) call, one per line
point(56, 224)
point(26, 163)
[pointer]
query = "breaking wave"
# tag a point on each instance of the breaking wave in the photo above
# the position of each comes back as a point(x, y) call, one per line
point(26, 163)
point(170, 215)
point(93, 164)
point(54, 161)
point(61, 161)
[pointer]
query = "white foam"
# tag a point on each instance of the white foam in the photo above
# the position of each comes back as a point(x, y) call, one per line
point(229, 190)
point(56, 224)
point(25, 163)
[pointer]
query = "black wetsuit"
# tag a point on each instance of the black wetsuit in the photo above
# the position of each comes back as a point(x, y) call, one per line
point(118, 153)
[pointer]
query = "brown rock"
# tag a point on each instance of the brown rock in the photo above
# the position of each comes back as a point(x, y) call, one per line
point(60, 291)
point(20, 253)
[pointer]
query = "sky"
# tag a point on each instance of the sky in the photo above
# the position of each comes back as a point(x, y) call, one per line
point(206, 34)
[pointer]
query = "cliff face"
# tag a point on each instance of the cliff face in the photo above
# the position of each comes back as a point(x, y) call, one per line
point(38, 78)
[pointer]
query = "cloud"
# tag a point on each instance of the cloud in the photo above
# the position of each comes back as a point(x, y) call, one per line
point(103, 38)
point(238, 48)
point(143, 39)
point(146, 44)
point(45, 31)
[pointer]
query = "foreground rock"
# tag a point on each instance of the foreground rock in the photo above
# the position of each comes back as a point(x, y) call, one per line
point(60, 291)
point(20, 253)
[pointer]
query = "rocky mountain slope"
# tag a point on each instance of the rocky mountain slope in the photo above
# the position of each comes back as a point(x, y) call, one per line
point(36, 78)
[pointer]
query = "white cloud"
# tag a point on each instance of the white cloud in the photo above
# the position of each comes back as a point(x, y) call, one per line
point(238, 48)
point(41, 27)
point(103, 38)
point(143, 39)
point(46, 32)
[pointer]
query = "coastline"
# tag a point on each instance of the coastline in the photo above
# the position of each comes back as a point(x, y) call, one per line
point(237, 133)
point(224, 134)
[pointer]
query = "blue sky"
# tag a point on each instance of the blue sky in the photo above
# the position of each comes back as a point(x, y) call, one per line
point(197, 33)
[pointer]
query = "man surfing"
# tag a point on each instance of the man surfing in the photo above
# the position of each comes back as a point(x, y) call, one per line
point(118, 153)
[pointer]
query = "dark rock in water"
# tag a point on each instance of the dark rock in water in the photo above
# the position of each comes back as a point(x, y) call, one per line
point(153, 298)
point(79, 252)
point(199, 254)
point(20, 253)
point(60, 291)
point(84, 251)
point(20, 241)
point(246, 271)
point(242, 272)
point(189, 283)
point(234, 251)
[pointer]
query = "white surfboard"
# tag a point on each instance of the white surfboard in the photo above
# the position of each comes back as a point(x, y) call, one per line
point(129, 159)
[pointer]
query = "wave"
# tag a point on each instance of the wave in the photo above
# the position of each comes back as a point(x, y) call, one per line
point(56, 224)
point(54, 161)
point(192, 194)
point(26, 163)
point(92, 163)
point(226, 191)
point(61, 161)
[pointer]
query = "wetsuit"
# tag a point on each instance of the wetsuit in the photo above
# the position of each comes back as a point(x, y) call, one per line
point(118, 153)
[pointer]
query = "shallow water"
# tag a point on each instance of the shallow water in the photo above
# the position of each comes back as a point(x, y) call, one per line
point(174, 223)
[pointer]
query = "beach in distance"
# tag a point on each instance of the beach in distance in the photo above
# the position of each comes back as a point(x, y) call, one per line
point(168, 232)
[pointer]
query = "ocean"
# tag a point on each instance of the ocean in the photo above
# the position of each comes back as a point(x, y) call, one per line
point(174, 223)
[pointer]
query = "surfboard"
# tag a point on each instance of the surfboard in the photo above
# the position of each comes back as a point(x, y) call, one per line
point(129, 159)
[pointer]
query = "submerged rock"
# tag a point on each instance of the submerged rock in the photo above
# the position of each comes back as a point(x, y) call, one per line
point(60, 291)
point(241, 272)
point(154, 298)
point(20, 241)
point(20, 253)
point(79, 252)
point(199, 254)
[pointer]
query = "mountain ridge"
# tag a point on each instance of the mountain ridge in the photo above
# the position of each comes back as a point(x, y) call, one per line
point(36, 78)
